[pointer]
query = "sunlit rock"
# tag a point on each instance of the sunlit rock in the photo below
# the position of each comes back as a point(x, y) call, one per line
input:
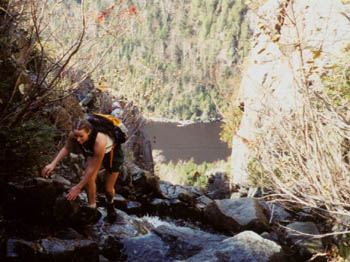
point(235, 215)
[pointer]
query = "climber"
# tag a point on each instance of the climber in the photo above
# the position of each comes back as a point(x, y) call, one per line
point(98, 148)
point(117, 109)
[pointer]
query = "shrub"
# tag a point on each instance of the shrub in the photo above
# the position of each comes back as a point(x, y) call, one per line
point(26, 147)
point(188, 173)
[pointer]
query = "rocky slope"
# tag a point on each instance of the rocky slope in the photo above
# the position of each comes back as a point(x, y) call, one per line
point(156, 219)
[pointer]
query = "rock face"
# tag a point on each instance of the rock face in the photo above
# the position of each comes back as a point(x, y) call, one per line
point(138, 141)
point(235, 215)
point(53, 249)
point(246, 246)
point(272, 77)
point(306, 243)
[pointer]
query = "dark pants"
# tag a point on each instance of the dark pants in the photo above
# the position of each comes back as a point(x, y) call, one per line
point(117, 160)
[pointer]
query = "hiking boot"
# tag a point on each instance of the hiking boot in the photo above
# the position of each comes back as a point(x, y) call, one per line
point(111, 213)
point(89, 215)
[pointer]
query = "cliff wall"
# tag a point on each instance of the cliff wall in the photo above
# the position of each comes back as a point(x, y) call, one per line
point(294, 43)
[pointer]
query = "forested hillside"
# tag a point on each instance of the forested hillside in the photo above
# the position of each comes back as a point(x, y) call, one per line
point(179, 57)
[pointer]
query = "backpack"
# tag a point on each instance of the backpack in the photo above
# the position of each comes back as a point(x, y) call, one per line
point(109, 125)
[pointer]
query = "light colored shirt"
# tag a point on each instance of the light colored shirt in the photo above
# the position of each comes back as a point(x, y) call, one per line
point(109, 144)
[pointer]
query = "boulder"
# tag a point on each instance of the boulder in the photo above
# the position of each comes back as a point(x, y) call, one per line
point(183, 243)
point(138, 142)
point(145, 183)
point(202, 202)
point(134, 207)
point(277, 214)
point(120, 202)
point(32, 199)
point(144, 248)
point(301, 235)
point(218, 184)
point(71, 105)
point(75, 212)
point(235, 215)
point(111, 247)
point(186, 194)
point(52, 249)
point(244, 247)
point(160, 207)
point(61, 118)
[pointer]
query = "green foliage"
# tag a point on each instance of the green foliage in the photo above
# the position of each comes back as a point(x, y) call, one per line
point(337, 84)
point(344, 248)
point(259, 177)
point(189, 173)
point(26, 148)
point(25, 138)
point(255, 172)
point(230, 126)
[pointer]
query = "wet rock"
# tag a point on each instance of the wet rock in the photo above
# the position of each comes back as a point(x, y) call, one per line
point(103, 259)
point(111, 248)
point(184, 242)
point(68, 234)
point(177, 202)
point(203, 202)
point(120, 202)
point(307, 244)
point(31, 199)
point(244, 247)
point(235, 215)
point(134, 207)
point(178, 209)
point(79, 250)
point(146, 183)
point(145, 248)
point(75, 212)
point(160, 202)
point(61, 181)
point(160, 207)
point(124, 227)
point(17, 248)
point(52, 249)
